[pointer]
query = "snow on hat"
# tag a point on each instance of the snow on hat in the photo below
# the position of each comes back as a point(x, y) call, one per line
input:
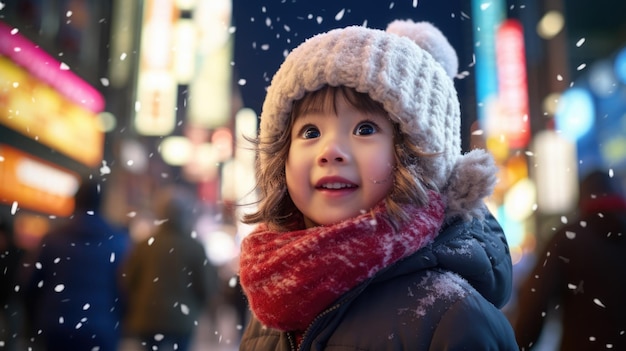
point(409, 69)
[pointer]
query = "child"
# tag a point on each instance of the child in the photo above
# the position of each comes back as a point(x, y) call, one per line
point(373, 234)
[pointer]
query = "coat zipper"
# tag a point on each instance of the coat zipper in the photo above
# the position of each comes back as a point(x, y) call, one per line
point(292, 341)
point(291, 337)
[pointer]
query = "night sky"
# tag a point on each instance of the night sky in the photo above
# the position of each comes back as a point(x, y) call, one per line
point(267, 30)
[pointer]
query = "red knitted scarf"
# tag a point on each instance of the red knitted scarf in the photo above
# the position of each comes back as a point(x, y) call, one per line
point(290, 277)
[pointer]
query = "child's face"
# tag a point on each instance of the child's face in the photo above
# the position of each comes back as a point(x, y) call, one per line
point(339, 165)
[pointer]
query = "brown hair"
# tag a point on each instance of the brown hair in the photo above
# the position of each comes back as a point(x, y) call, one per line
point(275, 206)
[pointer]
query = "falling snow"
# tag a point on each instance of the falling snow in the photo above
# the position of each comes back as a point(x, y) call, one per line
point(184, 309)
point(290, 33)
point(104, 169)
point(340, 14)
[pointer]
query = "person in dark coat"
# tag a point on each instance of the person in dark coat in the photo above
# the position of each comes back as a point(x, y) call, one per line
point(71, 293)
point(371, 230)
point(10, 304)
point(167, 278)
point(577, 276)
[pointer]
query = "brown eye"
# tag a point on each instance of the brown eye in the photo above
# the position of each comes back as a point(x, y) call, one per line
point(310, 132)
point(366, 128)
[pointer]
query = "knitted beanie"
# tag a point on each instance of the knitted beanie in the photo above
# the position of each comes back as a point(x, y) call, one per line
point(409, 69)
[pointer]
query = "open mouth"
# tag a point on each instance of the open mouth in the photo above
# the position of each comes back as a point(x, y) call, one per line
point(336, 186)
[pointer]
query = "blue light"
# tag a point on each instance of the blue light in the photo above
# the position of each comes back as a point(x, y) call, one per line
point(487, 17)
point(575, 113)
point(620, 65)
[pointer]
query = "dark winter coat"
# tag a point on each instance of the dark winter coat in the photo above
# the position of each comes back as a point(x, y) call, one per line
point(72, 294)
point(444, 297)
point(579, 276)
point(168, 280)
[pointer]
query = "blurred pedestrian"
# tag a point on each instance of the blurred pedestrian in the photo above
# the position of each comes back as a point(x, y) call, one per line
point(10, 306)
point(578, 276)
point(72, 294)
point(168, 278)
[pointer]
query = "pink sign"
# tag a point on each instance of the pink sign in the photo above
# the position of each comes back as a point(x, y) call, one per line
point(513, 94)
point(50, 71)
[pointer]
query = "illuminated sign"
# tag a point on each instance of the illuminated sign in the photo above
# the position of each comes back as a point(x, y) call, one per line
point(48, 70)
point(156, 103)
point(487, 17)
point(157, 89)
point(40, 112)
point(556, 172)
point(512, 86)
point(31, 183)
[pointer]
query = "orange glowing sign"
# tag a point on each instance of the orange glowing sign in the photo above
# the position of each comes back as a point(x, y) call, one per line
point(31, 183)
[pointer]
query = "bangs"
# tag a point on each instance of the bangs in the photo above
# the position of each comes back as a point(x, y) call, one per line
point(324, 101)
point(319, 101)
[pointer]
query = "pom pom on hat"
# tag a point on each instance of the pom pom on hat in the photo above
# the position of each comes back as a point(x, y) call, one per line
point(409, 69)
point(429, 38)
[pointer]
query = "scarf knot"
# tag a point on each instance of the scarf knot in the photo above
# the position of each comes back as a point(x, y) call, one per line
point(290, 277)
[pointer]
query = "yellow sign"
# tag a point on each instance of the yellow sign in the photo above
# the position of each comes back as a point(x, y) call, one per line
point(38, 111)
